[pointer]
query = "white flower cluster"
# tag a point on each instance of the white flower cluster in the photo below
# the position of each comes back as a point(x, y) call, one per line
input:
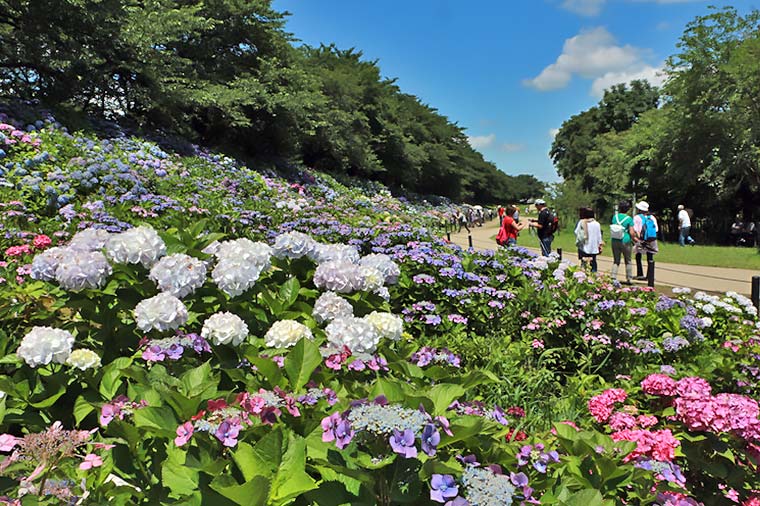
point(293, 205)
point(681, 290)
point(286, 333)
point(384, 264)
point(225, 328)
point(241, 262)
point(178, 274)
point(90, 239)
point(727, 303)
point(334, 252)
point(162, 312)
point(387, 325)
point(358, 334)
point(83, 359)
point(136, 245)
point(330, 306)
point(82, 269)
point(294, 245)
point(540, 263)
point(46, 263)
point(743, 302)
point(43, 345)
point(345, 277)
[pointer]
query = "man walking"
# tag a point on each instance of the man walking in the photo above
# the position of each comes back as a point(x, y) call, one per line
point(684, 227)
point(545, 227)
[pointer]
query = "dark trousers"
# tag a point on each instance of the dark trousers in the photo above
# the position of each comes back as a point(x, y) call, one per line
point(640, 268)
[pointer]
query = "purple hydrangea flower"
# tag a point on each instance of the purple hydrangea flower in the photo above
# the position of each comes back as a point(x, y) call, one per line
point(403, 443)
point(443, 487)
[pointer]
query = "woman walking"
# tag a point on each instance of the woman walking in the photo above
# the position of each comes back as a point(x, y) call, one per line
point(622, 234)
point(509, 229)
point(646, 229)
point(588, 237)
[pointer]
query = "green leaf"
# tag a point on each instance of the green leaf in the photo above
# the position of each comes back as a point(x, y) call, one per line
point(443, 395)
point(161, 420)
point(182, 480)
point(195, 380)
point(49, 401)
point(82, 408)
point(301, 362)
point(292, 479)
point(112, 373)
point(253, 492)
point(289, 292)
point(263, 458)
point(586, 497)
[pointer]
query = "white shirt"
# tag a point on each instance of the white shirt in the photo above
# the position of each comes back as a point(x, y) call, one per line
point(593, 238)
point(683, 218)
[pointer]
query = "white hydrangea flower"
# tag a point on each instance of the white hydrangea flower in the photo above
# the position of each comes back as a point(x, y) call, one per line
point(43, 345)
point(337, 276)
point(83, 359)
point(90, 239)
point(707, 322)
point(357, 334)
point(369, 279)
point(258, 253)
point(235, 276)
point(293, 245)
point(137, 245)
point(162, 312)
point(178, 274)
point(46, 263)
point(330, 306)
point(286, 333)
point(334, 252)
point(384, 264)
point(82, 269)
point(225, 328)
point(387, 325)
point(383, 292)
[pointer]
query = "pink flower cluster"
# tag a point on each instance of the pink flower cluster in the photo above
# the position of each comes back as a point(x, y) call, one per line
point(656, 444)
point(601, 406)
point(119, 408)
point(659, 384)
point(626, 421)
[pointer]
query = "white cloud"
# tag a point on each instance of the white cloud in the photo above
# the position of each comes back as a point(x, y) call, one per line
point(584, 7)
point(590, 54)
point(655, 75)
point(481, 141)
point(511, 147)
point(553, 132)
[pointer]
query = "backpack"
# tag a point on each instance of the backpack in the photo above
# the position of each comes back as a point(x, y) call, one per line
point(580, 235)
point(648, 229)
point(501, 237)
point(617, 231)
point(553, 222)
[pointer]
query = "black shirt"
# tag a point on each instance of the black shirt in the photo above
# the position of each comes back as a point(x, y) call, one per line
point(545, 220)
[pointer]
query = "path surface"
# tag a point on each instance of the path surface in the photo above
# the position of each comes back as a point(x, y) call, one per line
point(696, 277)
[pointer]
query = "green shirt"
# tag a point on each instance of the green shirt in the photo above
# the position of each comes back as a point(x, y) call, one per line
point(626, 222)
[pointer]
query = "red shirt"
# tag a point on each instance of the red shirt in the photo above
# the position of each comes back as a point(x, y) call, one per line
point(501, 211)
point(511, 231)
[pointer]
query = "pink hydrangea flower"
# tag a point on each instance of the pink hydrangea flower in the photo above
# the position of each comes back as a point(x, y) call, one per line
point(184, 433)
point(91, 460)
point(659, 384)
point(601, 406)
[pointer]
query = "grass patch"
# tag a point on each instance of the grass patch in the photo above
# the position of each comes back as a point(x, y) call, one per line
point(712, 256)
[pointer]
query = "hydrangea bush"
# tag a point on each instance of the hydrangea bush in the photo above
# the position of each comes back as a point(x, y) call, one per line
point(187, 330)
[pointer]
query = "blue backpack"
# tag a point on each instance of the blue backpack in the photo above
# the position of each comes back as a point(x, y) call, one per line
point(648, 229)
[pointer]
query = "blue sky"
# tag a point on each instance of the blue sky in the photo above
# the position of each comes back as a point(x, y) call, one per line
point(508, 71)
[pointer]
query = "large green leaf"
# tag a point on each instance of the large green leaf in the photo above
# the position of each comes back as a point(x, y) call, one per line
point(301, 362)
point(292, 479)
point(261, 459)
point(253, 492)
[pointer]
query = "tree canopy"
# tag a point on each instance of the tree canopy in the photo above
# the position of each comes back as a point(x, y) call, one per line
point(226, 73)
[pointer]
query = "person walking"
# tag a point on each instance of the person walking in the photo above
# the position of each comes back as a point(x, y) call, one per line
point(645, 226)
point(622, 235)
point(588, 233)
point(684, 227)
point(544, 226)
point(501, 214)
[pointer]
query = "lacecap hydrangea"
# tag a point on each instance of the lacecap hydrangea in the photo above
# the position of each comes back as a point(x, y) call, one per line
point(357, 334)
point(225, 328)
point(178, 274)
point(286, 333)
point(137, 245)
point(162, 312)
point(43, 345)
point(330, 306)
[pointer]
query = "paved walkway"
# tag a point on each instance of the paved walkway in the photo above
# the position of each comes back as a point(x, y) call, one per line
point(696, 277)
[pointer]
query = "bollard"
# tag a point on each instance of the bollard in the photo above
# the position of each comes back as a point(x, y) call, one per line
point(448, 236)
point(756, 291)
point(650, 274)
point(469, 239)
point(559, 252)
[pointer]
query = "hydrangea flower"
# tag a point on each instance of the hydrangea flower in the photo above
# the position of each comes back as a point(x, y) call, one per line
point(334, 252)
point(46, 263)
point(241, 262)
point(178, 274)
point(82, 269)
point(225, 328)
point(137, 245)
point(286, 333)
point(337, 276)
point(330, 306)
point(162, 312)
point(90, 239)
point(293, 245)
point(384, 264)
point(387, 325)
point(356, 334)
point(43, 345)
point(483, 487)
point(443, 487)
point(83, 359)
